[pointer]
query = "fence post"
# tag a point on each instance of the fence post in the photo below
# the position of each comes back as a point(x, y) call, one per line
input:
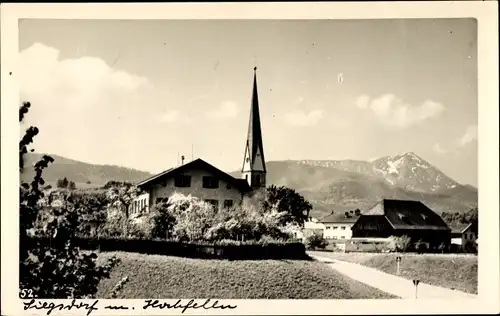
point(398, 260)
point(416, 282)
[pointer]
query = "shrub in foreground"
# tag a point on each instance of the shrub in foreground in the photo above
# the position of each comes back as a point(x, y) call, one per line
point(56, 269)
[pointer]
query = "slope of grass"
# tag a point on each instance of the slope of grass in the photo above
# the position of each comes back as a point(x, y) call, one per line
point(151, 276)
point(453, 271)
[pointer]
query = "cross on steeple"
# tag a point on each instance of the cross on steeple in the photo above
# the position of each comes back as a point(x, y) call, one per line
point(254, 164)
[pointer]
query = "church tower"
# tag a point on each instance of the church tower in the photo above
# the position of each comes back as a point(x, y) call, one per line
point(254, 164)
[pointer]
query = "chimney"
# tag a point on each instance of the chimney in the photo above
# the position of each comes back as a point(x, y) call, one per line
point(182, 160)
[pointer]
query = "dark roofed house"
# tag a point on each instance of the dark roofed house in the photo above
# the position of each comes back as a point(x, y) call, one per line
point(403, 217)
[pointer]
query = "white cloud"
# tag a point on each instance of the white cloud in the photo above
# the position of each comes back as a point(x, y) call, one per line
point(392, 111)
point(301, 118)
point(226, 110)
point(363, 101)
point(80, 102)
point(71, 81)
point(469, 135)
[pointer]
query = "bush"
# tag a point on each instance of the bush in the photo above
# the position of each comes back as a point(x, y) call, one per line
point(399, 243)
point(442, 248)
point(117, 224)
point(316, 241)
point(247, 222)
point(470, 247)
point(295, 207)
point(421, 247)
point(114, 184)
point(193, 217)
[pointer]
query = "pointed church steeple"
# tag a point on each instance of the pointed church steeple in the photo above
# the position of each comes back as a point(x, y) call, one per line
point(254, 164)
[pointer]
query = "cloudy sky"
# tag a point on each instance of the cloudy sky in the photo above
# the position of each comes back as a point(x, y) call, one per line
point(138, 93)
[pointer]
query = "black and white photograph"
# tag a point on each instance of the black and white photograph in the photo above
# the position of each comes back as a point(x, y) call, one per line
point(190, 163)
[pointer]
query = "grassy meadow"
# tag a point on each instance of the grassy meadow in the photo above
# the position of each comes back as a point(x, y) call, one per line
point(453, 271)
point(154, 276)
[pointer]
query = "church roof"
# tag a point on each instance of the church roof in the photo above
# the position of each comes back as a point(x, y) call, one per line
point(240, 184)
point(254, 144)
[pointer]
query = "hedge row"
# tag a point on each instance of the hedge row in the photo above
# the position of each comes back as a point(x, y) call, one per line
point(226, 250)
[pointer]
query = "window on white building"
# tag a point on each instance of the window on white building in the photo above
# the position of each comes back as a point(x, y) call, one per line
point(335, 227)
point(210, 182)
point(182, 181)
point(343, 227)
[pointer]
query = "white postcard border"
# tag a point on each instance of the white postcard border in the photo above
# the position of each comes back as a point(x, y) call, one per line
point(485, 12)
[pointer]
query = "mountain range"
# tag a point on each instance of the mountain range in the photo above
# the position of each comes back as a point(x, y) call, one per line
point(83, 174)
point(330, 185)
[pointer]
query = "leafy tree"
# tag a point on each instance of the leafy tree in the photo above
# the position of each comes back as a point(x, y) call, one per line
point(60, 184)
point(56, 269)
point(284, 199)
point(193, 217)
point(116, 225)
point(458, 219)
point(113, 183)
point(247, 222)
point(161, 220)
point(122, 197)
point(71, 185)
point(316, 241)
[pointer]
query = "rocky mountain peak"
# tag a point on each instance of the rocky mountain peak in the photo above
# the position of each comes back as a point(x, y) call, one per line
point(406, 170)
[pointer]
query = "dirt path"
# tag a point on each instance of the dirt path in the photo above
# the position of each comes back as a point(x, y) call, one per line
point(390, 283)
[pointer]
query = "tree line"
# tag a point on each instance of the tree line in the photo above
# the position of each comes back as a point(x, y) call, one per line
point(65, 184)
point(457, 219)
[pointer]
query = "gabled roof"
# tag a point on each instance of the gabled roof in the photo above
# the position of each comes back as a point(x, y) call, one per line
point(339, 218)
point(406, 214)
point(463, 227)
point(240, 184)
point(459, 228)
